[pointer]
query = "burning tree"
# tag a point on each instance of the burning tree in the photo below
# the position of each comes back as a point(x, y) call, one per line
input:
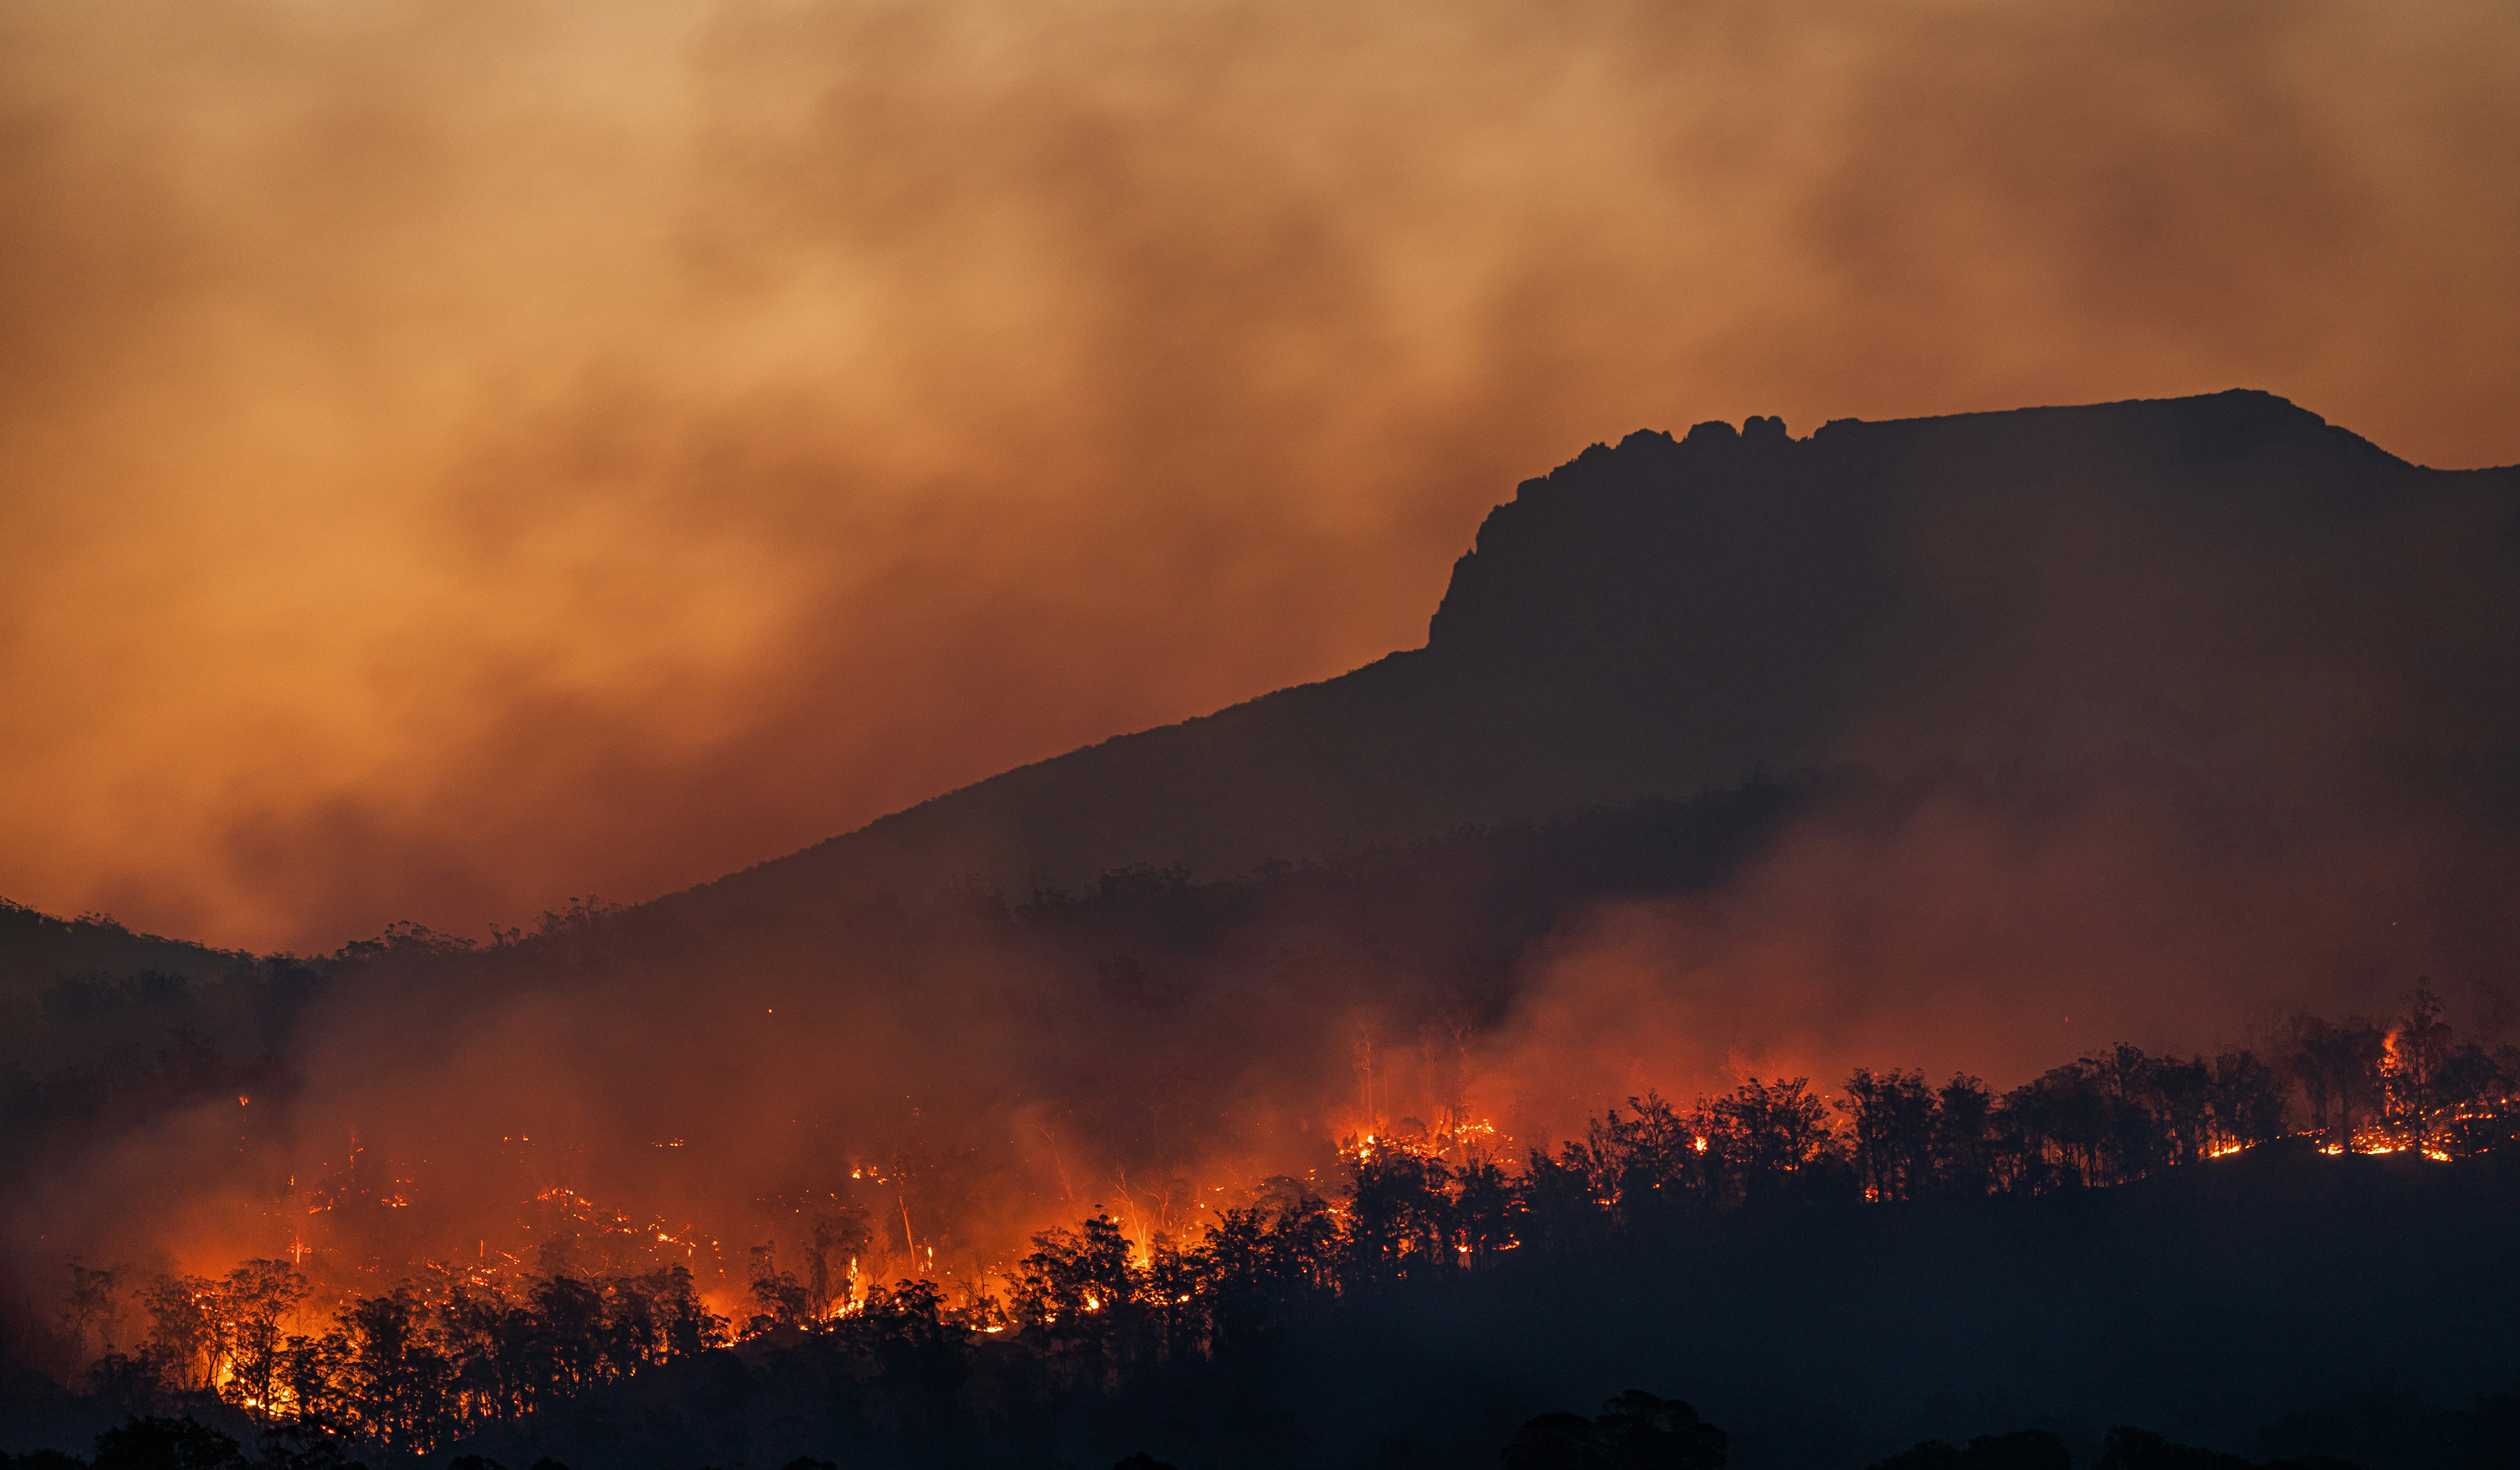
point(454, 1349)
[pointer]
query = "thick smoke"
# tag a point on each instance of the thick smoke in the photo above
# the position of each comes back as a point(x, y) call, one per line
point(2154, 762)
point(463, 456)
point(1978, 933)
point(469, 456)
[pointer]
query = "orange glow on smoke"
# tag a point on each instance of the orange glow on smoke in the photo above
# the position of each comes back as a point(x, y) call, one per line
point(481, 419)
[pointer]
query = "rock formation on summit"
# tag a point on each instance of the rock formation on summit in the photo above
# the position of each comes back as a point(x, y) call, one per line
point(2225, 584)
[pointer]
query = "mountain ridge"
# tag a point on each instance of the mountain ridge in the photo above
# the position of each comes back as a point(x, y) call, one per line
point(1650, 619)
point(38, 949)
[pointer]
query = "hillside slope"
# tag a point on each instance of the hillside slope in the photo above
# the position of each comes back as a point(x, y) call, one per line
point(36, 949)
point(2192, 581)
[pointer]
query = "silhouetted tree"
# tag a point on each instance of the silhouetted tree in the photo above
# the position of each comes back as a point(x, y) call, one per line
point(570, 1312)
point(1483, 1206)
point(188, 1331)
point(1562, 1209)
point(1636, 1431)
point(2477, 1089)
point(1768, 1135)
point(2338, 1066)
point(1074, 1276)
point(1642, 1432)
point(923, 1359)
point(1173, 1298)
point(1398, 1216)
point(1964, 1152)
point(1647, 1169)
point(785, 1301)
point(400, 1388)
point(316, 1372)
point(1893, 1115)
point(255, 1298)
point(126, 1383)
point(2247, 1101)
point(93, 1296)
point(2308, 1063)
point(1236, 1272)
point(1078, 1293)
point(154, 1444)
point(2361, 1045)
point(2136, 1138)
point(2185, 1094)
point(839, 1239)
point(2068, 1114)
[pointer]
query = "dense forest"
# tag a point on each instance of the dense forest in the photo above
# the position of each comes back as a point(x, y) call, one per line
point(455, 1354)
point(2280, 1249)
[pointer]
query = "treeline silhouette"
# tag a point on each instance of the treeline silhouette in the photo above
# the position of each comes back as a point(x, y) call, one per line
point(462, 1356)
point(1636, 1430)
point(457, 1351)
point(105, 1035)
point(403, 1370)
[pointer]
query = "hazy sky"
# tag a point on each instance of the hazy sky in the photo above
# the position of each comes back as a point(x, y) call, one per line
point(457, 455)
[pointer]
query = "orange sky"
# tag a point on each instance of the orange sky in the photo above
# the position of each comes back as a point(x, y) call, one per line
point(457, 455)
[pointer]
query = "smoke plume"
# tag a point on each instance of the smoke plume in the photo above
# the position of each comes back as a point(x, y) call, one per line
point(464, 456)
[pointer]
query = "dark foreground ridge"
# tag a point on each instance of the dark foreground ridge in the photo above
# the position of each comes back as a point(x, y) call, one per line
point(1672, 615)
point(40, 948)
point(2233, 1304)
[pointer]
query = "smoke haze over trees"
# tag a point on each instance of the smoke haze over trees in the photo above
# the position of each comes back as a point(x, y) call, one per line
point(1957, 941)
point(1293, 1327)
point(2157, 763)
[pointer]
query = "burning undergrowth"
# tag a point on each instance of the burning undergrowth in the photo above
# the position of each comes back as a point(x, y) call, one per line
point(645, 1140)
point(456, 1349)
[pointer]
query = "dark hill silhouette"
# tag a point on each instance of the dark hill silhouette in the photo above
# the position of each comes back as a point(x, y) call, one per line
point(2187, 579)
point(38, 949)
point(2214, 1302)
point(2220, 611)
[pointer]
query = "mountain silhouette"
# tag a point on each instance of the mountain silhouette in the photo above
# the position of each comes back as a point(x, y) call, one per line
point(1910, 743)
point(2222, 583)
point(37, 947)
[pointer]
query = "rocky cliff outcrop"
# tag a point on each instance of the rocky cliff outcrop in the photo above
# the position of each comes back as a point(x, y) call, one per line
point(2217, 580)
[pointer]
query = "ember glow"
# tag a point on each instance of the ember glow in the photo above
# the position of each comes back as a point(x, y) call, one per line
point(303, 1339)
point(464, 461)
